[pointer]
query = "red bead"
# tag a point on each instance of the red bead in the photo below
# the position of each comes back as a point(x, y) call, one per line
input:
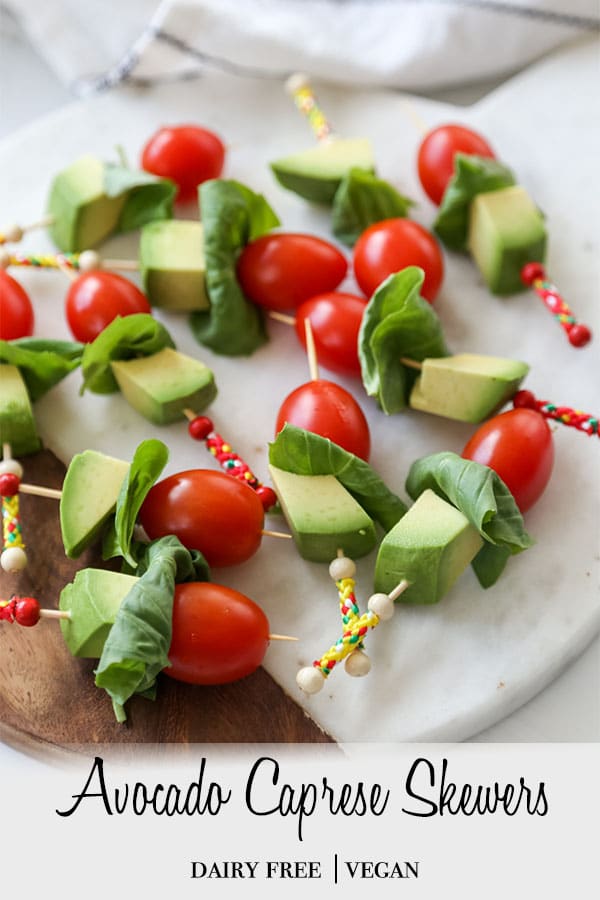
point(524, 399)
point(200, 427)
point(267, 497)
point(531, 272)
point(579, 335)
point(27, 611)
point(9, 484)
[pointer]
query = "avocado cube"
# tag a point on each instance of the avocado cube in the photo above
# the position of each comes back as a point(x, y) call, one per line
point(323, 516)
point(17, 425)
point(316, 173)
point(93, 599)
point(430, 547)
point(172, 264)
point(83, 214)
point(162, 385)
point(89, 496)
point(466, 387)
point(506, 230)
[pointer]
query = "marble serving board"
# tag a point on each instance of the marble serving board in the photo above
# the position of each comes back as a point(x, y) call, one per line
point(439, 673)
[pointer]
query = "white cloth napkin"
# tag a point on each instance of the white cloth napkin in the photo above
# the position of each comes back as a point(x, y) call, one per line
point(410, 44)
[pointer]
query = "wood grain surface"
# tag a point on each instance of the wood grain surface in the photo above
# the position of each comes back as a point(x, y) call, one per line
point(48, 698)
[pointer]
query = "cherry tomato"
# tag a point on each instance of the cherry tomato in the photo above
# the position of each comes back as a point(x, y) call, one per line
point(389, 246)
point(327, 409)
point(96, 298)
point(219, 635)
point(208, 511)
point(518, 446)
point(435, 161)
point(335, 319)
point(187, 154)
point(279, 271)
point(16, 311)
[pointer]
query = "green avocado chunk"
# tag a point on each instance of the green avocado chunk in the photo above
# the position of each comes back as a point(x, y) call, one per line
point(172, 264)
point(323, 516)
point(316, 173)
point(466, 387)
point(161, 386)
point(17, 425)
point(429, 547)
point(93, 599)
point(89, 496)
point(83, 213)
point(506, 230)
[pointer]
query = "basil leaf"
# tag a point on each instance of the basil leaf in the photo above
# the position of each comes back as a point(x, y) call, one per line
point(148, 461)
point(137, 646)
point(42, 363)
point(472, 175)
point(232, 216)
point(489, 564)
point(149, 198)
point(304, 453)
point(481, 495)
point(397, 323)
point(136, 335)
point(361, 200)
point(192, 567)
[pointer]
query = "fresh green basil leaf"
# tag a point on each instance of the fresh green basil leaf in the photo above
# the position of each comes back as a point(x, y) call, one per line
point(489, 564)
point(148, 461)
point(126, 337)
point(481, 495)
point(148, 199)
point(304, 453)
point(190, 567)
point(137, 646)
point(361, 200)
point(397, 323)
point(472, 175)
point(42, 363)
point(232, 216)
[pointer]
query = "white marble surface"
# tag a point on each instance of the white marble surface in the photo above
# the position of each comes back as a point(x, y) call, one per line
point(568, 709)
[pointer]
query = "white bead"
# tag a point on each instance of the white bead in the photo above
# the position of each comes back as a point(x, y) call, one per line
point(357, 664)
point(11, 467)
point(13, 559)
point(13, 234)
point(342, 567)
point(310, 680)
point(89, 260)
point(4, 258)
point(382, 606)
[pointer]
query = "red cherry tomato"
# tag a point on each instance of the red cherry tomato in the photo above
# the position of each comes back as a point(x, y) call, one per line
point(327, 409)
point(436, 156)
point(208, 511)
point(16, 311)
point(219, 635)
point(279, 271)
point(187, 154)
point(389, 246)
point(335, 319)
point(96, 298)
point(518, 446)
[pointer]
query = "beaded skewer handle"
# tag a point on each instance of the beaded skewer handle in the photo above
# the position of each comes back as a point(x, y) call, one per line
point(86, 261)
point(26, 611)
point(574, 418)
point(298, 87)
point(349, 646)
point(201, 428)
point(534, 276)
point(12, 234)
point(13, 558)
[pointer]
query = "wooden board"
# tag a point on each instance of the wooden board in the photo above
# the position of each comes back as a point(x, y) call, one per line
point(48, 697)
